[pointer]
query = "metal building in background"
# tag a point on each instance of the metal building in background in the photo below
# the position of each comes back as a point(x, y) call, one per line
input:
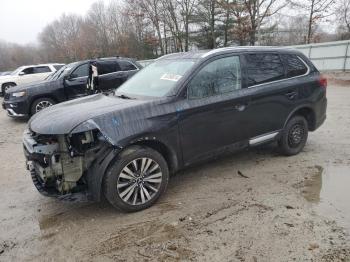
point(329, 56)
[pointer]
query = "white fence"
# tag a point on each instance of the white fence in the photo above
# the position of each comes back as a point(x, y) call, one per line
point(330, 56)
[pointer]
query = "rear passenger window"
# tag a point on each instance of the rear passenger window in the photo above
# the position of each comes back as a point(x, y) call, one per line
point(107, 67)
point(218, 77)
point(42, 69)
point(126, 66)
point(263, 67)
point(294, 66)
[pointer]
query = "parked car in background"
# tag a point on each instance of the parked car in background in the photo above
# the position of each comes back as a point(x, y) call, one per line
point(27, 74)
point(5, 73)
point(109, 73)
point(68, 83)
point(182, 109)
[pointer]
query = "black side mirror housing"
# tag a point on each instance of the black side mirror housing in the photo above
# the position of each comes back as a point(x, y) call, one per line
point(72, 76)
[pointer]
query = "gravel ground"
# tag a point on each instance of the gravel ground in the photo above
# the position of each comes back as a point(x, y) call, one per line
point(252, 206)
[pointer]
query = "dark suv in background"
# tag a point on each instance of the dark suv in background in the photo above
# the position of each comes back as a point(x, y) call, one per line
point(182, 109)
point(70, 82)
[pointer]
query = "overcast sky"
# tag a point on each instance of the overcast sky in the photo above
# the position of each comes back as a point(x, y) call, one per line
point(22, 20)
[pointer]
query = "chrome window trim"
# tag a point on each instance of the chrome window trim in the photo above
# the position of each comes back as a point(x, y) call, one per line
point(119, 72)
point(284, 79)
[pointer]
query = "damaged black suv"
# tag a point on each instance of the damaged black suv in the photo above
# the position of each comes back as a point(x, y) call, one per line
point(182, 109)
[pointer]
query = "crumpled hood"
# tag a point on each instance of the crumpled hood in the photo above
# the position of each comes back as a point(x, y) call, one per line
point(64, 117)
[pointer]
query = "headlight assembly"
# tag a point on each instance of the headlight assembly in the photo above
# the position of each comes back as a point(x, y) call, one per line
point(19, 94)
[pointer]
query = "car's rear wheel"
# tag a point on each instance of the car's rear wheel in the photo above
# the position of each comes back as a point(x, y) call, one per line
point(41, 104)
point(136, 179)
point(294, 136)
point(6, 87)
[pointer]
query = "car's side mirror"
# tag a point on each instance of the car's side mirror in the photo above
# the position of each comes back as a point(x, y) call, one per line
point(21, 74)
point(72, 76)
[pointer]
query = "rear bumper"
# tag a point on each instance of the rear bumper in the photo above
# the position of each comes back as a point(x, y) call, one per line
point(320, 113)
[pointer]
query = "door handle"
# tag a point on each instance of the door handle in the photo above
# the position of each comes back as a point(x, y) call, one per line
point(291, 95)
point(240, 107)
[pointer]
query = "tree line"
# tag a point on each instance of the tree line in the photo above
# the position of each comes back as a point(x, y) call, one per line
point(150, 28)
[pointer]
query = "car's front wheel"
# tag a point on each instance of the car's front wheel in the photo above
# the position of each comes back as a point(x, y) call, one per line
point(6, 87)
point(41, 104)
point(136, 179)
point(294, 136)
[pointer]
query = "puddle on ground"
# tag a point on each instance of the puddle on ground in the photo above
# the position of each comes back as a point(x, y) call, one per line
point(329, 191)
point(48, 222)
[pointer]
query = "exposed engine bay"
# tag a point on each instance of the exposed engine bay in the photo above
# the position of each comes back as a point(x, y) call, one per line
point(58, 163)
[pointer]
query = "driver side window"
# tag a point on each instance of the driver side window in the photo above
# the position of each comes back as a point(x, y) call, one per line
point(81, 71)
point(218, 77)
point(28, 71)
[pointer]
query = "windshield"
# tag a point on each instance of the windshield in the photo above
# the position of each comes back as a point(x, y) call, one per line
point(19, 69)
point(62, 72)
point(157, 79)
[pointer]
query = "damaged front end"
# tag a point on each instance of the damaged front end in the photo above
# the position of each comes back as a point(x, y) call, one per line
point(59, 164)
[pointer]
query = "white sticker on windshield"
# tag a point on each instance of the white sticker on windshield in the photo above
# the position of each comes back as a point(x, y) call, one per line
point(170, 77)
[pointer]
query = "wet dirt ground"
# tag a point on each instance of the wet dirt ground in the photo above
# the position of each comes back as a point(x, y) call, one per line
point(252, 206)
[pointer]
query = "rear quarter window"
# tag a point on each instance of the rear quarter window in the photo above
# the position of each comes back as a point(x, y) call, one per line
point(58, 67)
point(42, 69)
point(263, 68)
point(294, 66)
point(126, 66)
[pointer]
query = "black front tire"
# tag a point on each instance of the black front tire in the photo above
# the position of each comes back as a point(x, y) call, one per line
point(5, 87)
point(112, 178)
point(294, 136)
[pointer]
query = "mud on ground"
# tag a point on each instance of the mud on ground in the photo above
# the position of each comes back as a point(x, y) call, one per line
point(252, 206)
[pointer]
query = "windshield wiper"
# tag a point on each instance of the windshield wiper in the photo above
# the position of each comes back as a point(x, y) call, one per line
point(124, 97)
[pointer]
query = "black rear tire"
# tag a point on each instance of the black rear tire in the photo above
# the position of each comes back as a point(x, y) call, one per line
point(41, 101)
point(115, 185)
point(294, 136)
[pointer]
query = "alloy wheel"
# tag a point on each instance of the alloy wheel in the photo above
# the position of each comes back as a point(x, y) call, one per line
point(139, 181)
point(41, 105)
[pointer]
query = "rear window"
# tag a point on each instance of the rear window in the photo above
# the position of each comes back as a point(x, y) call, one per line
point(263, 67)
point(42, 69)
point(294, 66)
point(126, 66)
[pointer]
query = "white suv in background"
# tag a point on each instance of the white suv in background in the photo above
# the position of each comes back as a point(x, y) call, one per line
point(27, 74)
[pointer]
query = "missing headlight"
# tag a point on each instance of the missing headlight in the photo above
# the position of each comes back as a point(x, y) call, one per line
point(81, 142)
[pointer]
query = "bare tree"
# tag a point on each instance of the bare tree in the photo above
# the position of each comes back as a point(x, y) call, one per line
point(258, 11)
point(316, 9)
point(61, 38)
point(343, 11)
point(151, 9)
point(186, 11)
point(207, 14)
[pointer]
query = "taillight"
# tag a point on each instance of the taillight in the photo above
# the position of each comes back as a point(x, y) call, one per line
point(323, 81)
